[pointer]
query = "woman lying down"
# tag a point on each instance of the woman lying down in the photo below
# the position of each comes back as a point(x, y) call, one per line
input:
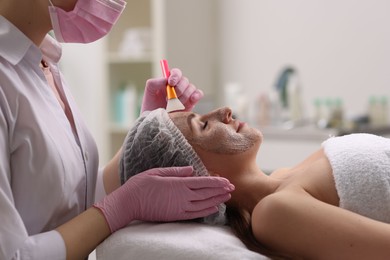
point(333, 205)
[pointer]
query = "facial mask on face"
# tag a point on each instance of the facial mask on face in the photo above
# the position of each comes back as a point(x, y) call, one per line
point(89, 21)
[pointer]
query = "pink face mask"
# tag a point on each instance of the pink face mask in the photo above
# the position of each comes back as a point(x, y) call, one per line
point(89, 21)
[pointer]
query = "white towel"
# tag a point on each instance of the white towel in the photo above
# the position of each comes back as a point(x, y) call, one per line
point(361, 169)
point(174, 241)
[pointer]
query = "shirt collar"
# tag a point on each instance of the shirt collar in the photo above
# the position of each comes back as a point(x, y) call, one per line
point(51, 49)
point(15, 45)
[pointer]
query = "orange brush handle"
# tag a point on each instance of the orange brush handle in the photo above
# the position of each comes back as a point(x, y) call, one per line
point(173, 103)
point(171, 93)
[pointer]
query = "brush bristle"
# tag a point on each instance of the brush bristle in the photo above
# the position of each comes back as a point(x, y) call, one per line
point(174, 104)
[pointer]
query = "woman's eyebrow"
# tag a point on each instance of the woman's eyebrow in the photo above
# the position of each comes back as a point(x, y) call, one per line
point(189, 120)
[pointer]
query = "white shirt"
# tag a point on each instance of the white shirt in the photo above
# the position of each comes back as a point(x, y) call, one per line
point(47, 171)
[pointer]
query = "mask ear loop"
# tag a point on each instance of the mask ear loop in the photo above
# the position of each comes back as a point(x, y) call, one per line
point(51, 3)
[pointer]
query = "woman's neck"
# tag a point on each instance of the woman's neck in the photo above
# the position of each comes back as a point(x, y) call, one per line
point(30, 17)
point(252, 185)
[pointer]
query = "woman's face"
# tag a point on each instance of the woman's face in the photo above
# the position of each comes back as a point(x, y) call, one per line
point(217, 132)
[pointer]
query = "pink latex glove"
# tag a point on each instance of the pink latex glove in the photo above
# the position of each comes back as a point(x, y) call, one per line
point(164, 194)
point(155, 95)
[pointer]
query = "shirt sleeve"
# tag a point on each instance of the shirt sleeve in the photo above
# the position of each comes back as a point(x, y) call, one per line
point(48, 245)
point(100, 191)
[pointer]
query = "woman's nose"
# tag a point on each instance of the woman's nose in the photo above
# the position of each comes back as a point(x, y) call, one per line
point(222, 114)
point(226, 114)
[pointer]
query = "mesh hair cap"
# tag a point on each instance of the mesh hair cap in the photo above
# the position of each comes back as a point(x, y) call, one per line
point(154, 142)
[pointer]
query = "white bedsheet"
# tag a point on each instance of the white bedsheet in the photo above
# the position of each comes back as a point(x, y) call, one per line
point(170, 241)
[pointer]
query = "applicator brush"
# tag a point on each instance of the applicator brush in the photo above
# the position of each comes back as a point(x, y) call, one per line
point(173, 103)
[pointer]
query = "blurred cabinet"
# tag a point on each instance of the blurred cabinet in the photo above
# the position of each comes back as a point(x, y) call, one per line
point(181, 31)
point(130, 59)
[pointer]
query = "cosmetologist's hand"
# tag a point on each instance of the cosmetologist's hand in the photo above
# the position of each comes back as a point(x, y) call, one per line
point(164, 194)
point(155, 95)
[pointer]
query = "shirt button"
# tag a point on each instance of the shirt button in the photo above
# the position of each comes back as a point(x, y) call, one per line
point(86, 156)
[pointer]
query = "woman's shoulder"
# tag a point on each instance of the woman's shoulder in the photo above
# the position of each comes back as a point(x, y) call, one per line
point(276, 217)
point(272, 207)
point(297, 224)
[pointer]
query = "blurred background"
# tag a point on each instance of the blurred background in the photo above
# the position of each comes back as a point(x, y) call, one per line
point(300, 70)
